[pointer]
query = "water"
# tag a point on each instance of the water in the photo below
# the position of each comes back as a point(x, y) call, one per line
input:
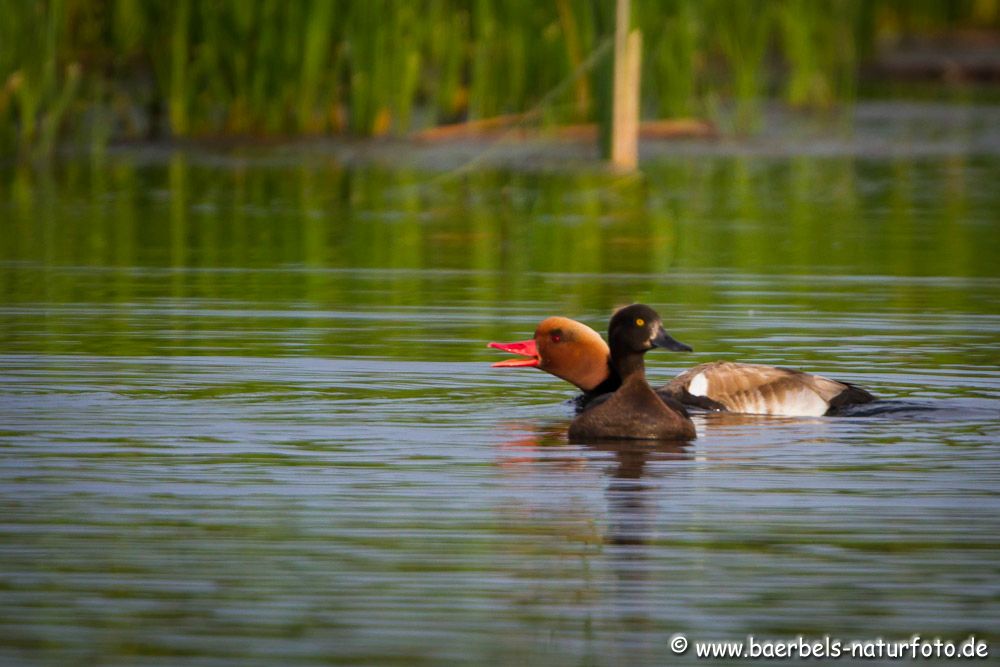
point(247, 412)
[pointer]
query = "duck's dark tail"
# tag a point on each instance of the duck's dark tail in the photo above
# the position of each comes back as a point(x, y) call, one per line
point(852, 395)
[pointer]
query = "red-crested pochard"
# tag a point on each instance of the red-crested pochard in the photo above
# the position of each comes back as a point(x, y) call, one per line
point(576, 353)
point(634, 410)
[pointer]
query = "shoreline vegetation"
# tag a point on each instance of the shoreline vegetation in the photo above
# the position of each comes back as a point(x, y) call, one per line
point(93, 72)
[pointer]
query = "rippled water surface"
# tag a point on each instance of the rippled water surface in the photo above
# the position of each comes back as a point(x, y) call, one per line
point(247, 411)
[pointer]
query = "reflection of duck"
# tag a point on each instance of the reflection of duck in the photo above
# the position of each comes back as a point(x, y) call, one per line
point(634, 410)
point(576, 353)
point(635, 477)
point(546, 445)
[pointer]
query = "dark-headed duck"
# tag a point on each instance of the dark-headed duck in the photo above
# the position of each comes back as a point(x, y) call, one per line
point(634, 410)
point(574, 352)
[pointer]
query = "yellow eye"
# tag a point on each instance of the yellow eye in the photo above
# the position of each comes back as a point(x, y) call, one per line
point(639, 321)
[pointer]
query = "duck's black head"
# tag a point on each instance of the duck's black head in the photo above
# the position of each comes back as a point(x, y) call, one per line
point(636, 329)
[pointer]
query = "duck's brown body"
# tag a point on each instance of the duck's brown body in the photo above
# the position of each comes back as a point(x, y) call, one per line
point(634, 412)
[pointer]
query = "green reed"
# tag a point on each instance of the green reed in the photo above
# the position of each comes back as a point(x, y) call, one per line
point(104, 69)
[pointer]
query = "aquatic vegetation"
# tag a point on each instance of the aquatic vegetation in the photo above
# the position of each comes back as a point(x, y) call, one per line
point(95, 70)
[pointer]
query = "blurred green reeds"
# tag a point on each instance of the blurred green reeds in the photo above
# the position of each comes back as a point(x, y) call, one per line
point(95, 70)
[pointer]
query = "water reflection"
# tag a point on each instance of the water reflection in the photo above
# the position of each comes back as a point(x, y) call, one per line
point(639, 480)
point(625, 464)
point(921, 217)
point(632, 515)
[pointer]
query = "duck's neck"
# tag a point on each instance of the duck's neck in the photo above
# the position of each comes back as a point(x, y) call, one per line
point(628, 365)
point(614, 377)
point(611, 383)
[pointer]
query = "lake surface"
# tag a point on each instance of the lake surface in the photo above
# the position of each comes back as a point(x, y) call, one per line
point(247, 412)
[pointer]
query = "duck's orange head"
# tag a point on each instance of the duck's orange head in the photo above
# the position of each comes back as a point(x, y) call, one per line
point(565, 348)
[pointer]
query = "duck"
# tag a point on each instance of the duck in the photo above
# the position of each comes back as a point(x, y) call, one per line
point(634, 411)
point(568, 349)
point(576, 353)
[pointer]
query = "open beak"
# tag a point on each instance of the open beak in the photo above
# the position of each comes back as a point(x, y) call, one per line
point(524, 348)
point(666, 341)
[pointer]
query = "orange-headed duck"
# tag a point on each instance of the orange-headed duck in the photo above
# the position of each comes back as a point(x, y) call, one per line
point(574, 352)
point(634, 410)
point(569, 350)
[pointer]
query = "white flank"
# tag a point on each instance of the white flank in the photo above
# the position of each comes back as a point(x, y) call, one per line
point(698, 385)
point(803, 403)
